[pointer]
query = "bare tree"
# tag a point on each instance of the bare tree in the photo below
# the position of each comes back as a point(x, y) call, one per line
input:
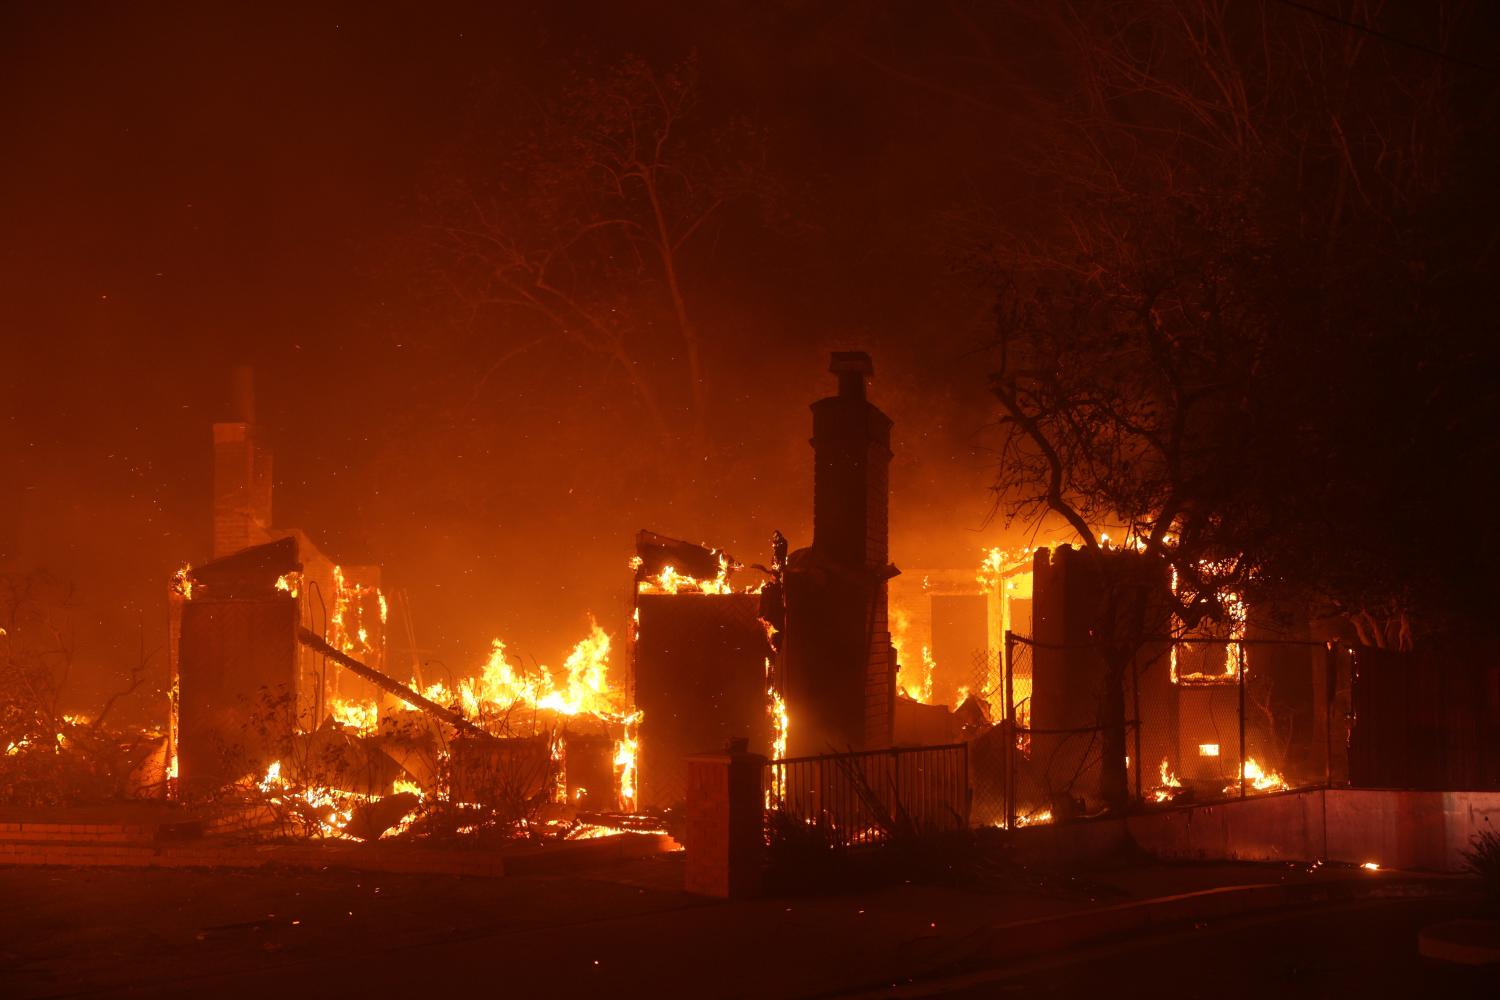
point(1243, 201)
point(47, 756)
point(36, 655)
point(586, 224)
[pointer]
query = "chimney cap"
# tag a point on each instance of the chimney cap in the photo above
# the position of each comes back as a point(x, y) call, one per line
point(851, 363)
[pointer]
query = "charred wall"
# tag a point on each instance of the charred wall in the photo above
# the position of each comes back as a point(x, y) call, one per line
point(700, 679)
point(237, 686)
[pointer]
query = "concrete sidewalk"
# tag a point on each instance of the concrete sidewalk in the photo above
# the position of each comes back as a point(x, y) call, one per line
point(625, 930)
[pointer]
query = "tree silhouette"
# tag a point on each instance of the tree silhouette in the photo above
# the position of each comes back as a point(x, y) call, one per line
point(1255, 263)
point(587, 227)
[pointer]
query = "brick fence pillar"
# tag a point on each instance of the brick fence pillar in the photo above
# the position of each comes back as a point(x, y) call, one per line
point(725, 834)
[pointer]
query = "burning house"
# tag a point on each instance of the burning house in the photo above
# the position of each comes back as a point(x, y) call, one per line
point(279, 668)
point(799, 662)
point(701, 657)
point(234, 650)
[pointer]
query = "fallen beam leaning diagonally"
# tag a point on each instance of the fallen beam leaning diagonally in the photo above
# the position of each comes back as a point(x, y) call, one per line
point(315, 642)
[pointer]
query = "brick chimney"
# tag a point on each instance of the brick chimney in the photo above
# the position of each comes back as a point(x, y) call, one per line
point(851, 478)
point(840, 679)
point(242, 475)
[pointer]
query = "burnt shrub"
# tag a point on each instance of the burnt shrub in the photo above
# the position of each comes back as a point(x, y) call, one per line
point(1482, 860)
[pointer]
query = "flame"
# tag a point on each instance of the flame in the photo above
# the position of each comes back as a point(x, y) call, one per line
point(1035, 819)
point(346, 623)
point(583, 688)
point(289, 583)
point(899, 623)
point(334, 809)
point(1237, 614)
point(771, 630)
point(1259, 779)
point(173, 769)
point(407, 785)
point(781, 724)
point(991, 567)
point(360, 716)
point(997, 565)
point(780, 727)
point(1169, 787)
point(669, 581)
point(182, 582)
point(922, 691)
point(626, 749)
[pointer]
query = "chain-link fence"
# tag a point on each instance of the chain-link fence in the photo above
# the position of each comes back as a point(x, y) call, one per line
point(1201, 720)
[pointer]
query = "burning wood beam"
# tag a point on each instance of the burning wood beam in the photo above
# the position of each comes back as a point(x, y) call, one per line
point(313, 641)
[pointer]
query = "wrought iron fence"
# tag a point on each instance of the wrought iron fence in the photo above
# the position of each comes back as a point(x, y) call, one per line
point(863, 797)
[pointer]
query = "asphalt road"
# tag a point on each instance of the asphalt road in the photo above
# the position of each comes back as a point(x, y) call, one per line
point(1364, 949)
point(630, 931)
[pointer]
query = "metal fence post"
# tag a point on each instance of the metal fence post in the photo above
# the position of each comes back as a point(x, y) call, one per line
point(1239, 656)
point(1330, 685)
point(1135, 697)
point(1007, 668)
point(897, 806)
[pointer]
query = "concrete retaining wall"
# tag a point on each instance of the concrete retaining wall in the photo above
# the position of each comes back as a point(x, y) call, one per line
point(1416, 831)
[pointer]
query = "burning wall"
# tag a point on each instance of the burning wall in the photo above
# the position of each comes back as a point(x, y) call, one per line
point(238, 687)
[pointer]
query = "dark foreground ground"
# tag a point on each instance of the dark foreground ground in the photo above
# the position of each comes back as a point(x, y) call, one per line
point(627, 930)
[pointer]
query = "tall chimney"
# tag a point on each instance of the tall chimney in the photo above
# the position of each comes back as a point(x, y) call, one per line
point(840, 674)
point(242, 474)
point(242, 391)
point(851, 477)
